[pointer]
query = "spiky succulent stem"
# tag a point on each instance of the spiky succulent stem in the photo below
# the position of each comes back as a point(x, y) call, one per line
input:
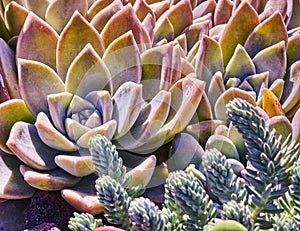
point(115, 199)
point(222, 182)
point(269, 159)
point(286, 223)
point(295, 191)
point(145, 215)
point(186, 193)
point(83, 222)
point(238, 212)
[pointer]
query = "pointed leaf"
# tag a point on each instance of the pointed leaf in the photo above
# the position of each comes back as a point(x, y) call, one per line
point(87, 73)
point(12, 184)
point(102, 17)
point(123, 21)
point(11, 112)
point(9, 70)
point(209, 60)
point(204, 111)
point(272, 59)
point(271, 104)
point(75, 165)
point(159, 7)
point(163, 30)
point(127, 106)
point(39, 7)
point(296, 126)
point(204, 8)
point(108, 129)
point(240, 65)
point(267, 33)
point(216, 88)
point(75, 36)
point(228, 95)
point(58, 104)
point(293, 49)
point(240, 25)
point(141, 9)
point(60, 11)
point(37, 81)
point(258, 82)
point(25, 143)
point(123, 69)
point(98, 6)
point(150, 120)
point(223, 11)
point(52, 180)
point(50, 136)
point(15, 16)
point(282, 125)
point(37, 41)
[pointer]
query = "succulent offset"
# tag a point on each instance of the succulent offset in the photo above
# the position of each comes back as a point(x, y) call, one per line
point(149, 81)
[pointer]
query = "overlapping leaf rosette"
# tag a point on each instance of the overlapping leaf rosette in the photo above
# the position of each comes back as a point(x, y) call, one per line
point(79, 83)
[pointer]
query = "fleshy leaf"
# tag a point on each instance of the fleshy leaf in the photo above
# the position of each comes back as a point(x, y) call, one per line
point(282, 126)
point(37, 41)
point(9, 70)
point(103, 16)
point(12, 184)
point(127, 106)
point(223, 11)
point(108, 129)
point(52, 180)
point(240, 65)
point(37, 81)
point(123, 21)
point(123, 69)
point(204, 8)
point(267, 33)
point(83, 202)
point(15, 16)
point(163, 30)
point(271, 104)
point(141, 9)
point(224, 145)
point(150, 120)
point(240, 25)
point(258, 82)
point(293, 49)
point(141, 174)
point(25, 143)
point(216, 88)
point(11, 112)
point(50, 136)
point(39, 7)
point(103, 101)
point(176, 13)
point(75, 36)
point(74, 129)
point(159, 7)
point(230, 94)
point(87, 73)
point(98, 6)
point(209, 60)
point(272, 59)
point(294, 94)
point(60, 11)
point(204, 111)
point(161, 68)
point(58, 104)
point(296, 126)
point(75, 165)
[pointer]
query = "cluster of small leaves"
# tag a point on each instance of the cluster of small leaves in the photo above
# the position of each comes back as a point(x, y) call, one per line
point(221, 180)
point(269, 158)
point(286, 223)
point(185, 194)
point(83, 222)
point(238, 212)
point(146, 215)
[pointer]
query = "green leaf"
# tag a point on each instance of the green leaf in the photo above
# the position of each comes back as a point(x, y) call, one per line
point(60, 11)
point(293, 49)
point(240, 25)
point(75, 36)
point(39, 7)
point(122, 69)
point(11, 112)
point(98, 6)
point(37, 41)
point(87, 73)
point(37, 81)
point(267, 33)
